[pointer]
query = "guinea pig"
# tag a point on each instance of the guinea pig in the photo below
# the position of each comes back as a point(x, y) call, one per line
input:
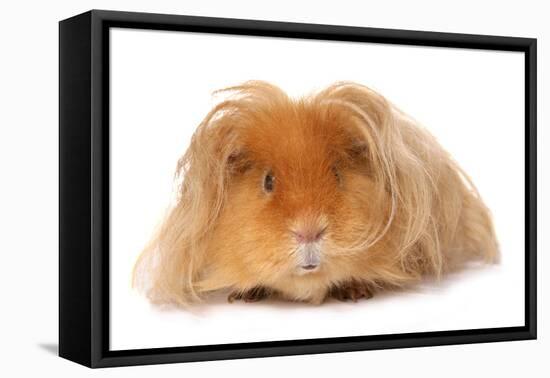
point(338, 194)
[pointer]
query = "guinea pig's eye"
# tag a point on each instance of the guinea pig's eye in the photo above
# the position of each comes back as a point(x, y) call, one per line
point(336, 173)
point(269, 182)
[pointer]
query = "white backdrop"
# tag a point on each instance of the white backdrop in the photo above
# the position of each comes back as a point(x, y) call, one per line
point(29, 163)
point(161, 84)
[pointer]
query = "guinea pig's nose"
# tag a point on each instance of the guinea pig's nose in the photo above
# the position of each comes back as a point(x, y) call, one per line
point(309, 235)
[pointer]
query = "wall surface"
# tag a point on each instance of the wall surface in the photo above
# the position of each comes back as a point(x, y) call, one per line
point(158, 96)
point(29, 159)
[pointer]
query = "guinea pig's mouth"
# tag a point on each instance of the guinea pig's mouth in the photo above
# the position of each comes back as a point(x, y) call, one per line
point(309, 267)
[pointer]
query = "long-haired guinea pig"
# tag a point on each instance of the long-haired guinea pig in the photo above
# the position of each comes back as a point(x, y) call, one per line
point(338, 194)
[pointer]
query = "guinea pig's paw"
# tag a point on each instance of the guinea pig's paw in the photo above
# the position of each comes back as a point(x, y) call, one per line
point(350, 290)
point(252, 295)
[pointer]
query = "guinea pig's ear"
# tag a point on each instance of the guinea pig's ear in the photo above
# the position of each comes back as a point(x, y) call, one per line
point(357, 150)
point(170, 266)
point(354, 153)
point(238, 162)
point(364, 115)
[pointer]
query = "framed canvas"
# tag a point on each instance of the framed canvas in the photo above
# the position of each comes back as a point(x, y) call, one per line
point(238, 188)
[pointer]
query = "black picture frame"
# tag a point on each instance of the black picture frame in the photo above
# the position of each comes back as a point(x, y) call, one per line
point(84, 187)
